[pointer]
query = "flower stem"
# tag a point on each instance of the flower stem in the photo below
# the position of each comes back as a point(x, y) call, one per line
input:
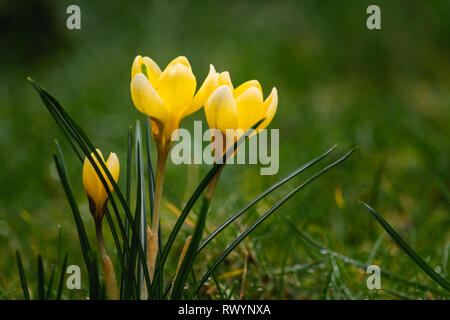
point(152, 234)
point(212, 185)
point(112, 289)
point(160, 168)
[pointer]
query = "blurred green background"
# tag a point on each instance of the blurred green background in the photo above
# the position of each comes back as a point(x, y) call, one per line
point(338, 82)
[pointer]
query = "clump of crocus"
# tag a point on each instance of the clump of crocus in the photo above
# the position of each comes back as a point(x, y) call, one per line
point(98, 197)
point(166, 97)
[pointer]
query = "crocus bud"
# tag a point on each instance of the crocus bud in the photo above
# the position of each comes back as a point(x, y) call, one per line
point(93, 185)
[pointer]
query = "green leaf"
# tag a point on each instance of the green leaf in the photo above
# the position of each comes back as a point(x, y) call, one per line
point(112, 227)
point(262, 195)
point(141, 215)
point(157, 285)
point(407, 249)
point(267, 214)
point(150, 174)
point(23, 278)
point(124, 285)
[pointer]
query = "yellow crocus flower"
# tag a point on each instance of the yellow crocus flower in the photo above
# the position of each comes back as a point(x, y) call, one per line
point(237, 110)
point(168, 96)
point(93, 186)
point(240, 108)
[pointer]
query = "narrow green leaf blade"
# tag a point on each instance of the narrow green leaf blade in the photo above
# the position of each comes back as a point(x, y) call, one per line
point(41, 279)
point(23, 278)
point(61, 277)
point(141, 215)
point(406, 248)
point(50, 283)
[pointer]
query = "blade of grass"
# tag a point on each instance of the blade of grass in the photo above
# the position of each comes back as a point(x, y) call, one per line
point(150, 174)
point(135, 239)
point(324, 294)
point(262, 195)
point(50, 282)
point(219, 289)
point(59, 242)
point(41, 279)
point(115, 237)
point(23, 278)
point(267, 214)
point(61, 277)
point(339, 279)
point(375, 248)
point(123, 285)
point(407, 249)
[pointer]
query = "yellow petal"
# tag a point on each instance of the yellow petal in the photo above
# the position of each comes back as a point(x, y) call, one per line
point(146, 99)
point(114, 168)
point(225, 79)
point(209, 85)
point(152, 68)
point(250, 107)
point(176, 87)
point(251, 83)
point(181, 59)
point(92, 183)
point(136, 67)
point(90, 180)
point(220, 110)
point(270, 105)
